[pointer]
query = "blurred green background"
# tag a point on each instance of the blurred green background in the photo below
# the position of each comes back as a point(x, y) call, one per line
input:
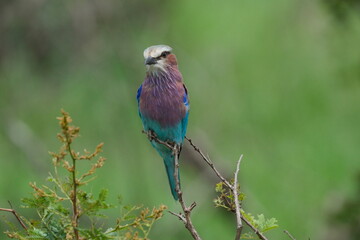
point(277, 81)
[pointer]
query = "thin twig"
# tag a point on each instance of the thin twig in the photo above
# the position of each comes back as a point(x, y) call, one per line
point(15, 214)
point(255, 230)
point(239, 225)
point(290, 236)
point(187, 210)
point(207, 160)
point(232, 188)
point(185, 217)
point(179, 215)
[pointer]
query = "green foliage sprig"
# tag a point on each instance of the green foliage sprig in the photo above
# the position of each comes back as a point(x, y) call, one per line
point(226, 200)
point(62, 204)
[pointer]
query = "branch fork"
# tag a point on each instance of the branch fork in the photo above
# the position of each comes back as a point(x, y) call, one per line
point(233, 188)
point(12, 210)
point(185, 216)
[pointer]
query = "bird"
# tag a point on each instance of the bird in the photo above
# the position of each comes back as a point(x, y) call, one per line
point(163, 105)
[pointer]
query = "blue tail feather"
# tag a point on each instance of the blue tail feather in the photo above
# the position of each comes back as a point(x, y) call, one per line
point(170, 169)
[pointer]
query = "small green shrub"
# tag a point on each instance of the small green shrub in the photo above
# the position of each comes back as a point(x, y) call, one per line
point(62, 204)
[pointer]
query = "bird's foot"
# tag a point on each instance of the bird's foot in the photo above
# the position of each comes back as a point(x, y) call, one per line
point(171, 143)
point(176, 148)
point(151, 134)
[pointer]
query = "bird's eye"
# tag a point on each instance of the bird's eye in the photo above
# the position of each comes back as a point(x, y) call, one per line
point(164, 54)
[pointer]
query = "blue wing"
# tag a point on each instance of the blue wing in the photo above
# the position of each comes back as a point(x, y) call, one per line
point(138, 93)
point(138, 99)
point(184, 121)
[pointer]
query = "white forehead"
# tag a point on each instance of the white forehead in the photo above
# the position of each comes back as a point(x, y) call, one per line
point(155, 51)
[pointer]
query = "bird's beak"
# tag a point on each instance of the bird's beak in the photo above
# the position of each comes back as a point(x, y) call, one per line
point(150, 61)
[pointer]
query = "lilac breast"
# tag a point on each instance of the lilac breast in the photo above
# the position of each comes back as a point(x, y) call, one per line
point(161, 100)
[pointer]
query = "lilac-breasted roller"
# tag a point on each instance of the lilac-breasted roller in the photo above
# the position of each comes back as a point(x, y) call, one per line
point(164, 104)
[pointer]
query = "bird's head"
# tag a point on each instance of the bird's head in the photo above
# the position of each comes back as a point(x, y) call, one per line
point(159, 58)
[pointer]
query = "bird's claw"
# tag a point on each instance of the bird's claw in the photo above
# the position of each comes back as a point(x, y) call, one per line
point(171, 143)
point(176, 148)
point(151, 135)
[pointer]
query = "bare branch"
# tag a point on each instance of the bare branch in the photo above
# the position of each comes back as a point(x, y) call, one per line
point(207, 160)
point(290, 236)
point(187, 210)
point(239, 225)
point(15, 214)
point(185, 217)
point(179, 215)
point(232, 188)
